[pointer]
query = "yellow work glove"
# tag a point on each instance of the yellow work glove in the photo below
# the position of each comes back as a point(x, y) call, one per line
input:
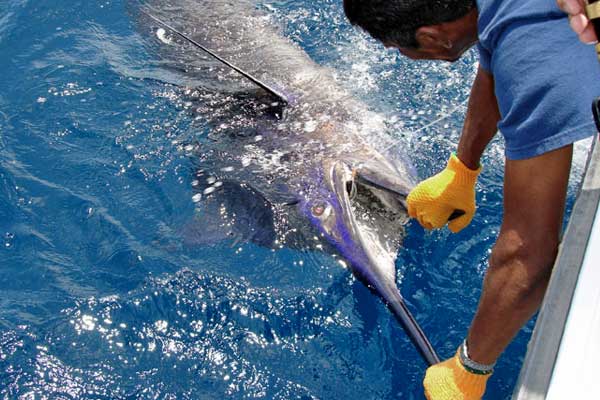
point(450, 380)
point(434, 200)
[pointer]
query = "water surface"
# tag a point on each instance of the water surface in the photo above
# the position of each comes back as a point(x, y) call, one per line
point(100, 295)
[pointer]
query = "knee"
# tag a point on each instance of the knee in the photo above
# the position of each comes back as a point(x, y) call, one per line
point(525, 259)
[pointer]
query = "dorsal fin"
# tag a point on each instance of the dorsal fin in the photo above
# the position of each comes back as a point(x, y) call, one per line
point(278, 96)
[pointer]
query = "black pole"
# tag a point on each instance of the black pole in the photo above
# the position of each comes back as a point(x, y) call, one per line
point(269, 89)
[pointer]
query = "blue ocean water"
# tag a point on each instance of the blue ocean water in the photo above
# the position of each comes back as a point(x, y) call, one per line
point(99, 297)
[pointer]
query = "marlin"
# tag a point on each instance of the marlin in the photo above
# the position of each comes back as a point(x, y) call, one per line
point(286, 161)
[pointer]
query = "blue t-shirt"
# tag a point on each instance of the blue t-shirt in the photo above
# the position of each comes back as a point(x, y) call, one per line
point(545, 79)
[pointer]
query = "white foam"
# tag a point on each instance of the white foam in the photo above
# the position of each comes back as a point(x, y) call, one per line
point(161, 34)
point(310, 126)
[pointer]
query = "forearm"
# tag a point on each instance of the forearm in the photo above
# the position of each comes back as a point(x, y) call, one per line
point(506, 304)
point(480, 122)
point(521, 261)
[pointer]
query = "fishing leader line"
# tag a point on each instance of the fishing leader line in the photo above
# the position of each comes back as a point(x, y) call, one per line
point(415, 131)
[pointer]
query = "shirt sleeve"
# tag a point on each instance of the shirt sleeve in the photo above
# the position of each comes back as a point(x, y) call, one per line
point(484, 58)
point(543, 100)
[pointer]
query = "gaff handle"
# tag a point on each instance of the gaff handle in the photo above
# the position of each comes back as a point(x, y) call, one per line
point(458, 213)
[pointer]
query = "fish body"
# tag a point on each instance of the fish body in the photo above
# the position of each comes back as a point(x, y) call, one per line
point(310, 168)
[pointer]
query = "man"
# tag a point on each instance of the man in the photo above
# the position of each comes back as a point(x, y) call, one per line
point(529, 87)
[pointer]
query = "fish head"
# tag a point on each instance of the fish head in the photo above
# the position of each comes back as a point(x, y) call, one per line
point(360, 209)
point(368, 244)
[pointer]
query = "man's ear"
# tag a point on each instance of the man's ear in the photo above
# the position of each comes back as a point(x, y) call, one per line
point(432, 37)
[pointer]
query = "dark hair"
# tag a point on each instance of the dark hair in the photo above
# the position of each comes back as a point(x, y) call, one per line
point(397, 21)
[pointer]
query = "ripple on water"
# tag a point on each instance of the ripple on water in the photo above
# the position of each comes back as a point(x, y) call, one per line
point(188, 334)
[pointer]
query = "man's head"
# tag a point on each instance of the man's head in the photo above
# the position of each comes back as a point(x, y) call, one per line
point(431, 29)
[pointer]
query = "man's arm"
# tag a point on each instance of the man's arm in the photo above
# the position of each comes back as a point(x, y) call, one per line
point(433, 201)
point(480, 122)
point(451, 379)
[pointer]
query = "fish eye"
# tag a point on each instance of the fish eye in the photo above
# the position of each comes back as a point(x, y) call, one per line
point(321, 209)
point(318, 210)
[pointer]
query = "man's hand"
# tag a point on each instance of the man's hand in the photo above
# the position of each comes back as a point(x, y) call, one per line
point(434, 200)
point(578, 19)
point(449, 380)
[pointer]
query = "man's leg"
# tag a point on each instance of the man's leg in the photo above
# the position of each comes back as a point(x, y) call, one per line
point(522, 258)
